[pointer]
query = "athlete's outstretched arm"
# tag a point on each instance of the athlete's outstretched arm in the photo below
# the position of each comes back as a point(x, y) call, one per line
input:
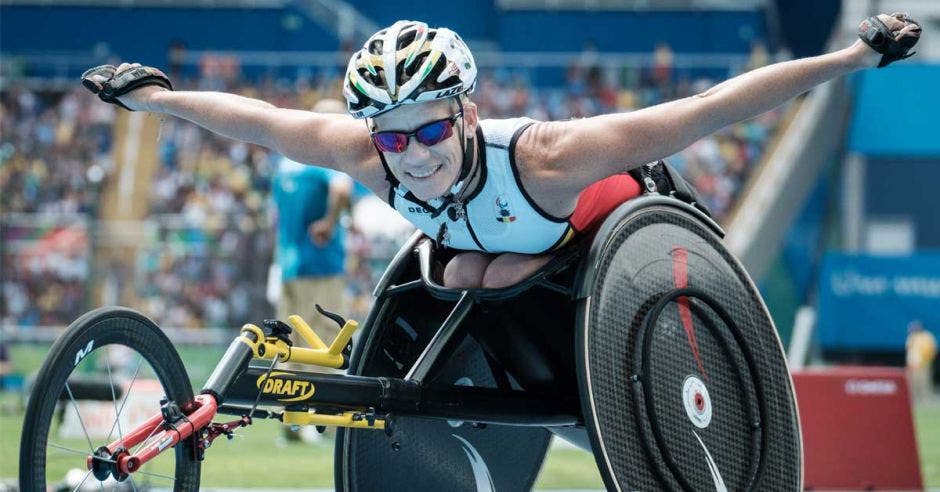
point(329, 140)
point(580, 152)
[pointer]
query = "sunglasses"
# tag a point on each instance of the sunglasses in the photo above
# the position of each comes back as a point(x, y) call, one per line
point(428, 134)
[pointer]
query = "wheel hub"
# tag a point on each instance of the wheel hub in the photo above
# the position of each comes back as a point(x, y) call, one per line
point(104, 464)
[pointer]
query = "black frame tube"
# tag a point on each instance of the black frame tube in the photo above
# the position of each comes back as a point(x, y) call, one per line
point(235, 382)
point(230, 367)
point(406, 398)
point(442, 340)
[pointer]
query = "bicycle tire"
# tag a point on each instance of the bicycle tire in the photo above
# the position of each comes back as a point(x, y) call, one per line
point(103, 327)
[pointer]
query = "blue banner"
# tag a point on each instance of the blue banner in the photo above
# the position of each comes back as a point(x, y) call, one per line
point(911, 108)
point(867, 302)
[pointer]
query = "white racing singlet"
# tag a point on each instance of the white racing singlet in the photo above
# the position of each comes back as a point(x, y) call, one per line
point(499, 217)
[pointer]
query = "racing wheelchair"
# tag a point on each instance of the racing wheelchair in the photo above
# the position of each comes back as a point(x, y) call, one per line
point(646, 344)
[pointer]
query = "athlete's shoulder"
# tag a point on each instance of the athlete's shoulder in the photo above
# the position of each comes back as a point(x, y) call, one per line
point(501, 132)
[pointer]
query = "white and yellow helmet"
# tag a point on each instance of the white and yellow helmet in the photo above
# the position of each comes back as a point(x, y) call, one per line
point(407, 63)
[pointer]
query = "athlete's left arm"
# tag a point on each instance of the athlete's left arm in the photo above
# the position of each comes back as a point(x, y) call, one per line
point(573, 154)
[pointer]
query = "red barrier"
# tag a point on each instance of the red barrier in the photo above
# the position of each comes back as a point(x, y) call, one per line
point(857, 429)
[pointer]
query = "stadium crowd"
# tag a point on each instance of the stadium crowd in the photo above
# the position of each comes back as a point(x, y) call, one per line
point(55, 151)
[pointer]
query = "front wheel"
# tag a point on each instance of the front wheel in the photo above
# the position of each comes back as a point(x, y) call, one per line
point(103, 377)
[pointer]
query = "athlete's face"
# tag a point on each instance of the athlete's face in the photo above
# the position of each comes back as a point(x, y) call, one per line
point(427, 170)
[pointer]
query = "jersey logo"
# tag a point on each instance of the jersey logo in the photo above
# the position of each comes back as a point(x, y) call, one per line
point(419, 210)
point(502, 210)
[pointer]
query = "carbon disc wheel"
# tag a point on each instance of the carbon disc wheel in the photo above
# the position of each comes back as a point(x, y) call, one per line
point(431, 454)
point(684, 384)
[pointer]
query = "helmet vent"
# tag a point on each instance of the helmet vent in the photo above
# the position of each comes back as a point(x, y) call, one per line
point(378, 79)
point(406, 38)
point(410, 70)
point(431, 83)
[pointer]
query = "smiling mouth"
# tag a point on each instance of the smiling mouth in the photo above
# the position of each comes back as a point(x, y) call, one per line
point(425, 174)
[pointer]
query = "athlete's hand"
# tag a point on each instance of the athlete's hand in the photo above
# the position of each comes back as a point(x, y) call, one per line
point(129, 85)
point(138, 99)
point(883, 44)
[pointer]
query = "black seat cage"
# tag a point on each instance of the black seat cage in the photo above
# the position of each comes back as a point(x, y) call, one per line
point(422, 246)
point(465, 299)
point(413, 394)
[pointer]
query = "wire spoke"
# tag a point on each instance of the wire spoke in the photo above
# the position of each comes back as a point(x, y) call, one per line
point(146, 440)
point(70, 450)
point(133, 484)
point(88, 474)
point(152, 474)
point(117, 415)
point(79, 414)
point(119, 407)
point(126, 395)
point(106, 460)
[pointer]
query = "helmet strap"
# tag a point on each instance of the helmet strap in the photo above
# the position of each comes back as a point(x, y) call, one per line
point(467, 157)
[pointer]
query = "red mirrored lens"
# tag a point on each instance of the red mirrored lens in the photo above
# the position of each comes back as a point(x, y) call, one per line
point(433, 133)
point(391, 141)
point(430, 134)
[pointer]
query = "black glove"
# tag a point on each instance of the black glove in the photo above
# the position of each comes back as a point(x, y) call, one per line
point(883, 40)
point(119, 83)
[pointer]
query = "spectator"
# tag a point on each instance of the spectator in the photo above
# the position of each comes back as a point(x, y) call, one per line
point(54, 155)
point(310, 243)
point(6, 367)
point(921, 351)
point(662, 64)
point(759, 56)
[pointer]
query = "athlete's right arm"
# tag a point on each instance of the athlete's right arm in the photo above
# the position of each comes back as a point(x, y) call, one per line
point(329, 140)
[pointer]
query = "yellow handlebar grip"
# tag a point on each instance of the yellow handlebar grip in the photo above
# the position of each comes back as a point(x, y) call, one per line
point(306, 332)
point(343, 337)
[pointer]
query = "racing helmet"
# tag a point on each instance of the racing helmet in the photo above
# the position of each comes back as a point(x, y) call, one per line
point(407, 63)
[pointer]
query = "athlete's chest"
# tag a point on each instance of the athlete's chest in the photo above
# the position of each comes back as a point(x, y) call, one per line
point(498, 217)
